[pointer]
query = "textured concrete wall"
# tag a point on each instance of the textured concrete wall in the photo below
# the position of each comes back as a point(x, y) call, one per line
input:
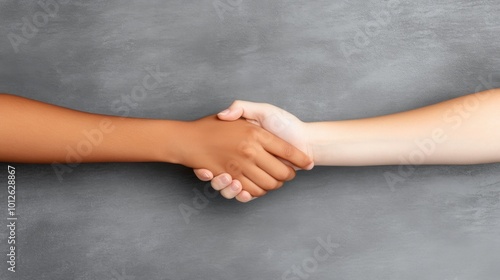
point(321, 60)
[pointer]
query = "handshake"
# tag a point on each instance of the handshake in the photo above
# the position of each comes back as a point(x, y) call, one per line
point(449, 132)
point(253, 148)
point(260, 146)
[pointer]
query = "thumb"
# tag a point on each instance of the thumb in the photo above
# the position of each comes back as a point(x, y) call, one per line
point(230, 114)
point(245, 109)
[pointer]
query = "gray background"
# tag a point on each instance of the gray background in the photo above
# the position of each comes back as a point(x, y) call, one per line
point(122, 221)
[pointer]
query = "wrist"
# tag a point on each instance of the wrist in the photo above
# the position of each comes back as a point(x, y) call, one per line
point(309, 144)
point(321, 141)
point(173, 146)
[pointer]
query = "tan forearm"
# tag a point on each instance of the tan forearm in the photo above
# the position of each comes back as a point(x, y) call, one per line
point(37, 132)
point(464, 130)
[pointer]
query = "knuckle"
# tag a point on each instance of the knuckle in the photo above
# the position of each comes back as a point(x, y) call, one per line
point(285, 174)
point(237, 102)
point(275, 185)
point(282, 173)
point(233, 167)
point(247, 150)
point(271, 184)
point(254, 132)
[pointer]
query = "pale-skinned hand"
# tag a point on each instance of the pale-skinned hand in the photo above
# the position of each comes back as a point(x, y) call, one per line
point(275, 120)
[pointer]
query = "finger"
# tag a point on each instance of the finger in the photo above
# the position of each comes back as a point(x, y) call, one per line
point(230, 114)
point(221, 181)
point(285, 150)
point(286, 162)
point(244, 197)
point(203, 174)
point(275, 168)
point(261, 178)
point(251, 187)
point(267, 163)
point(232, 190)
point(245, 109)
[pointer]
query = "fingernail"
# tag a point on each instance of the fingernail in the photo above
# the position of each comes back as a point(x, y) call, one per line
point(225, 180)
point(310, 166)
point(205, 175)
point(225, 112)
point(235, 187)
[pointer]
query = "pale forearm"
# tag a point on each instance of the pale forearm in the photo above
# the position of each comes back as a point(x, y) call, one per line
point(464, 130)
point(36, 132)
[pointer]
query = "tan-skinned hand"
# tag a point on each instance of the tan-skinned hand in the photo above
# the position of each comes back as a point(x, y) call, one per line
point(242, 150)
point(269, 117)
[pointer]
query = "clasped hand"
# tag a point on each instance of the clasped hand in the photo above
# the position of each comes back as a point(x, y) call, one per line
point(245, 151)
point(273, 119)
